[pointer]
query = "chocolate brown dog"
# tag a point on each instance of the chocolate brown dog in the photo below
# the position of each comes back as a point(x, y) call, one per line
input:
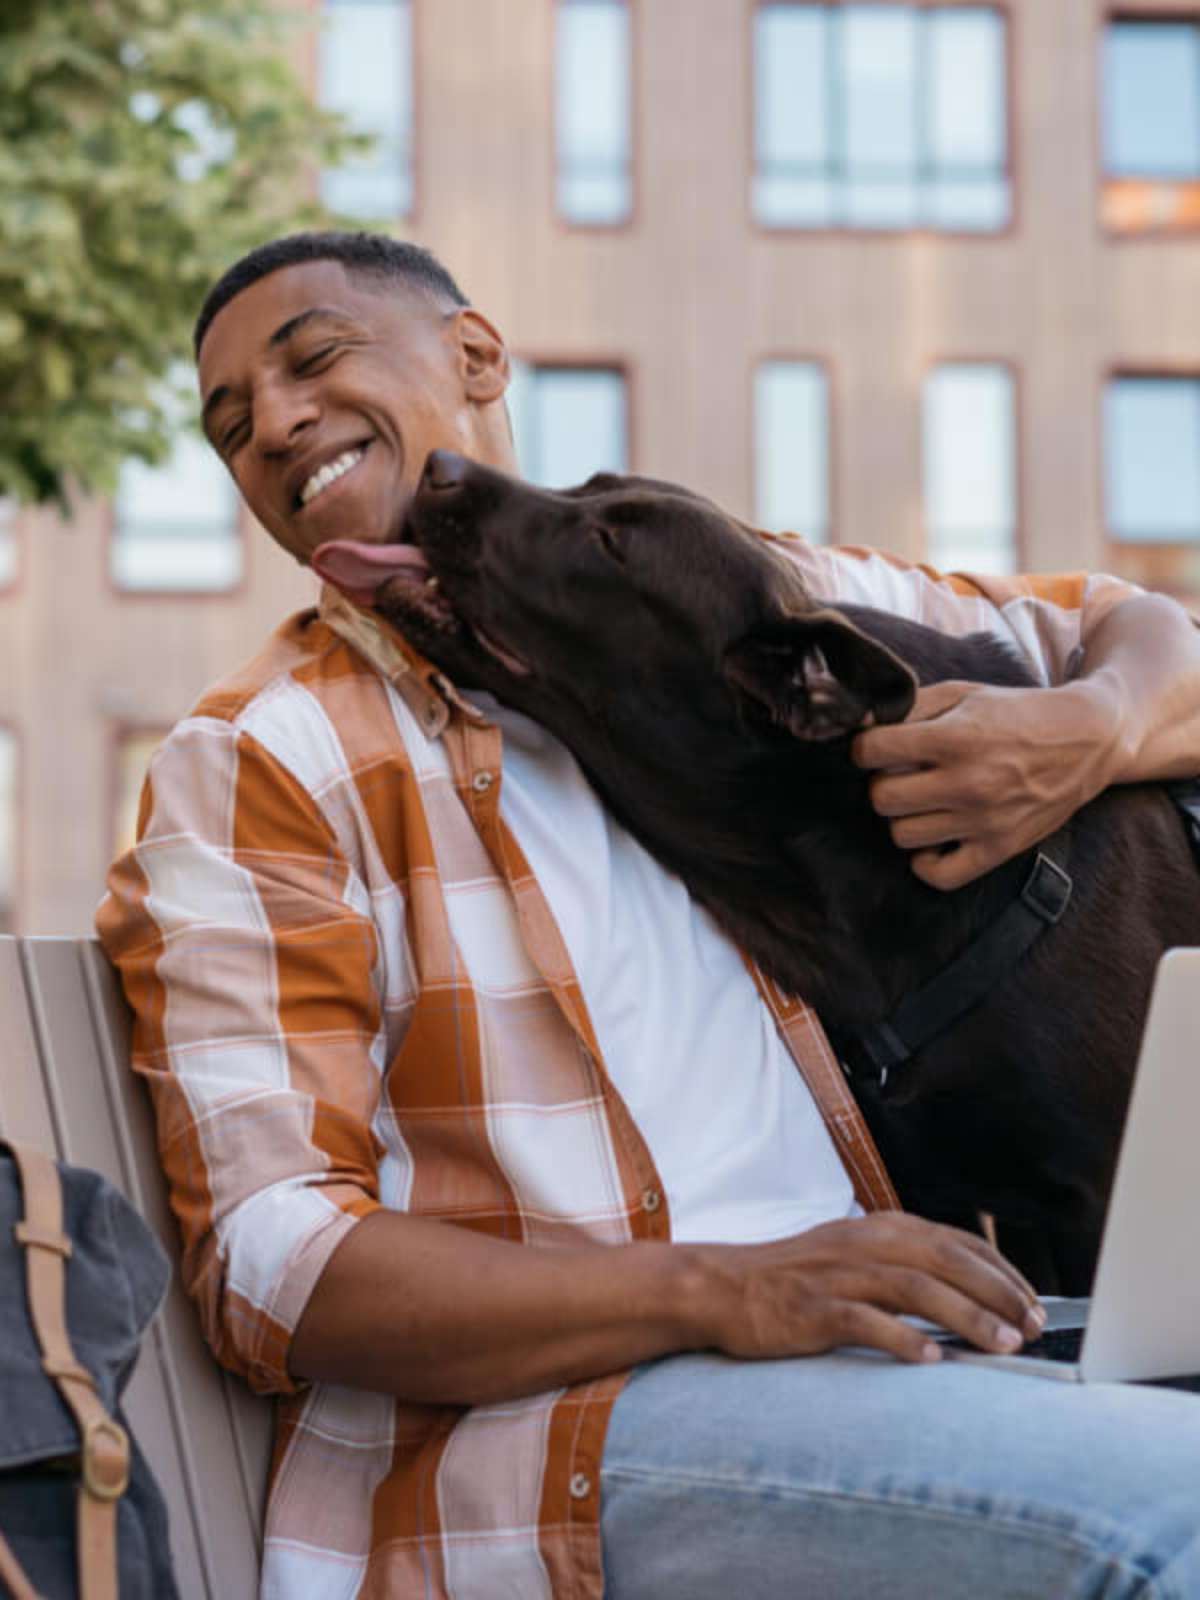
point(712, 700)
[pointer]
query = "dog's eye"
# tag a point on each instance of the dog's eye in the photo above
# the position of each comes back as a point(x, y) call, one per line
point(609, 541)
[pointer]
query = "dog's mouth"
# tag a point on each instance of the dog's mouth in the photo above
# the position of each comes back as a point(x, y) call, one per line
point(398, 581)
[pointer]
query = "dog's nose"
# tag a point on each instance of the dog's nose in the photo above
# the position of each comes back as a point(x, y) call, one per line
point(445, 470)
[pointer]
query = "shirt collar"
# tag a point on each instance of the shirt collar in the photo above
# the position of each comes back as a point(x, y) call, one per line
point(427, 692)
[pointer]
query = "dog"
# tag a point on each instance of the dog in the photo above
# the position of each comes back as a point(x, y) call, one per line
point(712, 701)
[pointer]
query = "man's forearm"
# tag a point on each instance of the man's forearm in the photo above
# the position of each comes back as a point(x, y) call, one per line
point(1141, 665)
point(436, 1314)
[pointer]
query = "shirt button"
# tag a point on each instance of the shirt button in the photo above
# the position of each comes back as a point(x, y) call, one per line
point(482, 782)
point(431, 717)
point(651, 1200)
point(581, 1486)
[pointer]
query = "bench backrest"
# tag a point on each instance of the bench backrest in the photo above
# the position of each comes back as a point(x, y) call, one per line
point(66, 1087)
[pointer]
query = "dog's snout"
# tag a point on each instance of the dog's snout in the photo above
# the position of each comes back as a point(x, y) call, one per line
point(445, 470)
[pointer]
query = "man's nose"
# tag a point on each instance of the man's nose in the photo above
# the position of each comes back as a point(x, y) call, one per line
point(281, 415)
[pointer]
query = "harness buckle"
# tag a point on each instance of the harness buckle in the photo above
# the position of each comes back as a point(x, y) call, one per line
point(1047, 889)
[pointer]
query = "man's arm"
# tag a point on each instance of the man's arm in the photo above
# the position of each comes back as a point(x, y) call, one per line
point(434, 1313)
point(977, 774)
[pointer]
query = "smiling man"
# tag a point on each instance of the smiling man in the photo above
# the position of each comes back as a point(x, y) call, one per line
point(489, 1155)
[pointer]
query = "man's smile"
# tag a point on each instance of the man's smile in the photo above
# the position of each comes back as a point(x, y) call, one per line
point(312, 478)
point(324, 476)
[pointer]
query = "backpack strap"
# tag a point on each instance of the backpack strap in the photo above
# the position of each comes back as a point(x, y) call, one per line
point(104, 1449)
point(12, 1574)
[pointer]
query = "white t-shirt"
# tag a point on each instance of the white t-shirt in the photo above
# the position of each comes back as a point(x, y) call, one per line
point(738, 1141)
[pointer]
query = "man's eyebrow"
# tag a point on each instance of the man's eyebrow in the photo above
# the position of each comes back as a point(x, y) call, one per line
point(281, 336)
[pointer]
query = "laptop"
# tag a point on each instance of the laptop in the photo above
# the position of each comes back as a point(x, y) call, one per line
point(1143, 1318)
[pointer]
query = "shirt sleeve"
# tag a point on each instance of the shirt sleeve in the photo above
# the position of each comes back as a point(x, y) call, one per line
point(1047, 617)
point(245, 945)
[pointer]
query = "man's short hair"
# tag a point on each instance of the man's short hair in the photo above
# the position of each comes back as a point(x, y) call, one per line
point(371, 255)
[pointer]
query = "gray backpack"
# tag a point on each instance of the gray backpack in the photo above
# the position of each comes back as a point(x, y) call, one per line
point(81, 1278)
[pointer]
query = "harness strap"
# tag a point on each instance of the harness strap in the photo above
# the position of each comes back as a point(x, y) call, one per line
point(971, 976)
point(104, 1443)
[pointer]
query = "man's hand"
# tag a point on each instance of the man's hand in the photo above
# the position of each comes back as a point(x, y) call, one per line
point(845, 1283)
point(976, 774)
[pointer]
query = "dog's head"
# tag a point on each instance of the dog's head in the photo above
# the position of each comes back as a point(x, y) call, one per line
point(617, 601)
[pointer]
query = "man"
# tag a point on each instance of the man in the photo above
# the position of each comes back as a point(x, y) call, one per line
point(467, 1111)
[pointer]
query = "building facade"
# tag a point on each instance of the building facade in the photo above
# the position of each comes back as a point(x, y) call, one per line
point(921, 276)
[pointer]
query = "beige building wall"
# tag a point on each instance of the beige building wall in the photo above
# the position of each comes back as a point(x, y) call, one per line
point(687, 299)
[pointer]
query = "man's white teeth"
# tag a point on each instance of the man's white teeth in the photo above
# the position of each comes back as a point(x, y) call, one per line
point(329, 473)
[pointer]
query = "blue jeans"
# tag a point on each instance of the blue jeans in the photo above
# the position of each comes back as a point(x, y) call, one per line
point(851, 1477)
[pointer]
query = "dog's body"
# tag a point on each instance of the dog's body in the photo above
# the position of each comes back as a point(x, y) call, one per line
point(711, 701)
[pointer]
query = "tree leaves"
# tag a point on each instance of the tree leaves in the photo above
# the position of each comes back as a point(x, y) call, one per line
point(144, 145)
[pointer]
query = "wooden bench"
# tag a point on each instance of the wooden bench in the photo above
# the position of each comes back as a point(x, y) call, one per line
point(66, 1087)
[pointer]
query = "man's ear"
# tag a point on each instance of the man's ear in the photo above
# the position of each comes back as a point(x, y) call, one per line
point(819, 676)
point(484, 356)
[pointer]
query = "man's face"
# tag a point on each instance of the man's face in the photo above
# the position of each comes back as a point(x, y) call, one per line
point(323, 393)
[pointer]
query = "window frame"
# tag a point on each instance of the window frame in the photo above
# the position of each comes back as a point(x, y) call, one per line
point(1012, 366)
point(183, 594)
point(827, 366)
point(1171, 566)
point(620, 365)
point(412, 216)
point(630, 220)
point(920, 230)
point(1163, 227)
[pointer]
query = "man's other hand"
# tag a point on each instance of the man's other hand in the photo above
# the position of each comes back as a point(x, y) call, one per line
point(977, 774)
point(849, 1283)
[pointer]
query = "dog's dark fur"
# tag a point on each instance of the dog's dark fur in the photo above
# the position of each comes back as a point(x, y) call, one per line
point(711, 700)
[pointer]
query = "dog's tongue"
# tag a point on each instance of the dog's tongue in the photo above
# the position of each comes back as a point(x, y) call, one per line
point(358, 569)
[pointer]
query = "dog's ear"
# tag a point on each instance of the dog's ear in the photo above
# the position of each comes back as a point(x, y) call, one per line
point(819, 676)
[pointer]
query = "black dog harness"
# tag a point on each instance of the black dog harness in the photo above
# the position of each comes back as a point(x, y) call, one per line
point(873, 1049)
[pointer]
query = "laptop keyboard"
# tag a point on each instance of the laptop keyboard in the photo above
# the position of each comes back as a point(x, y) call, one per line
point(1056, 1344)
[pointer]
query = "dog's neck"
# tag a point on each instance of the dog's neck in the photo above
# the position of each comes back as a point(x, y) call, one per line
point(785, 850)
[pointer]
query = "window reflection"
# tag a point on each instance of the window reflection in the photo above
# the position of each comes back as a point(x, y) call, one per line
point(791, 449)
point(1152, 459)
point(568, 422)
point(890, 117)
point(1151, 125)
point(365, 72)
point(592, 110)
point(970, 452)
point(175, 526)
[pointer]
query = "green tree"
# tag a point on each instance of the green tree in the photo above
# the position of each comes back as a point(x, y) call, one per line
point(143, 145)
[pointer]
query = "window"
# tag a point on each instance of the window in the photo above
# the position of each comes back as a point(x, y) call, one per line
point(970, 436)
point(8, 543)
point(592, 111)
point(791, 448)
point(8, 831)
point(569, 422)
point(175, 526)
point(1152, 459)
point(1151, 125)
point(134, 749)
point(885, 117)
point(365, 72)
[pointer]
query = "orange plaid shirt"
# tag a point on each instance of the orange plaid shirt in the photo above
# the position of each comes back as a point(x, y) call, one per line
point(350, 992)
